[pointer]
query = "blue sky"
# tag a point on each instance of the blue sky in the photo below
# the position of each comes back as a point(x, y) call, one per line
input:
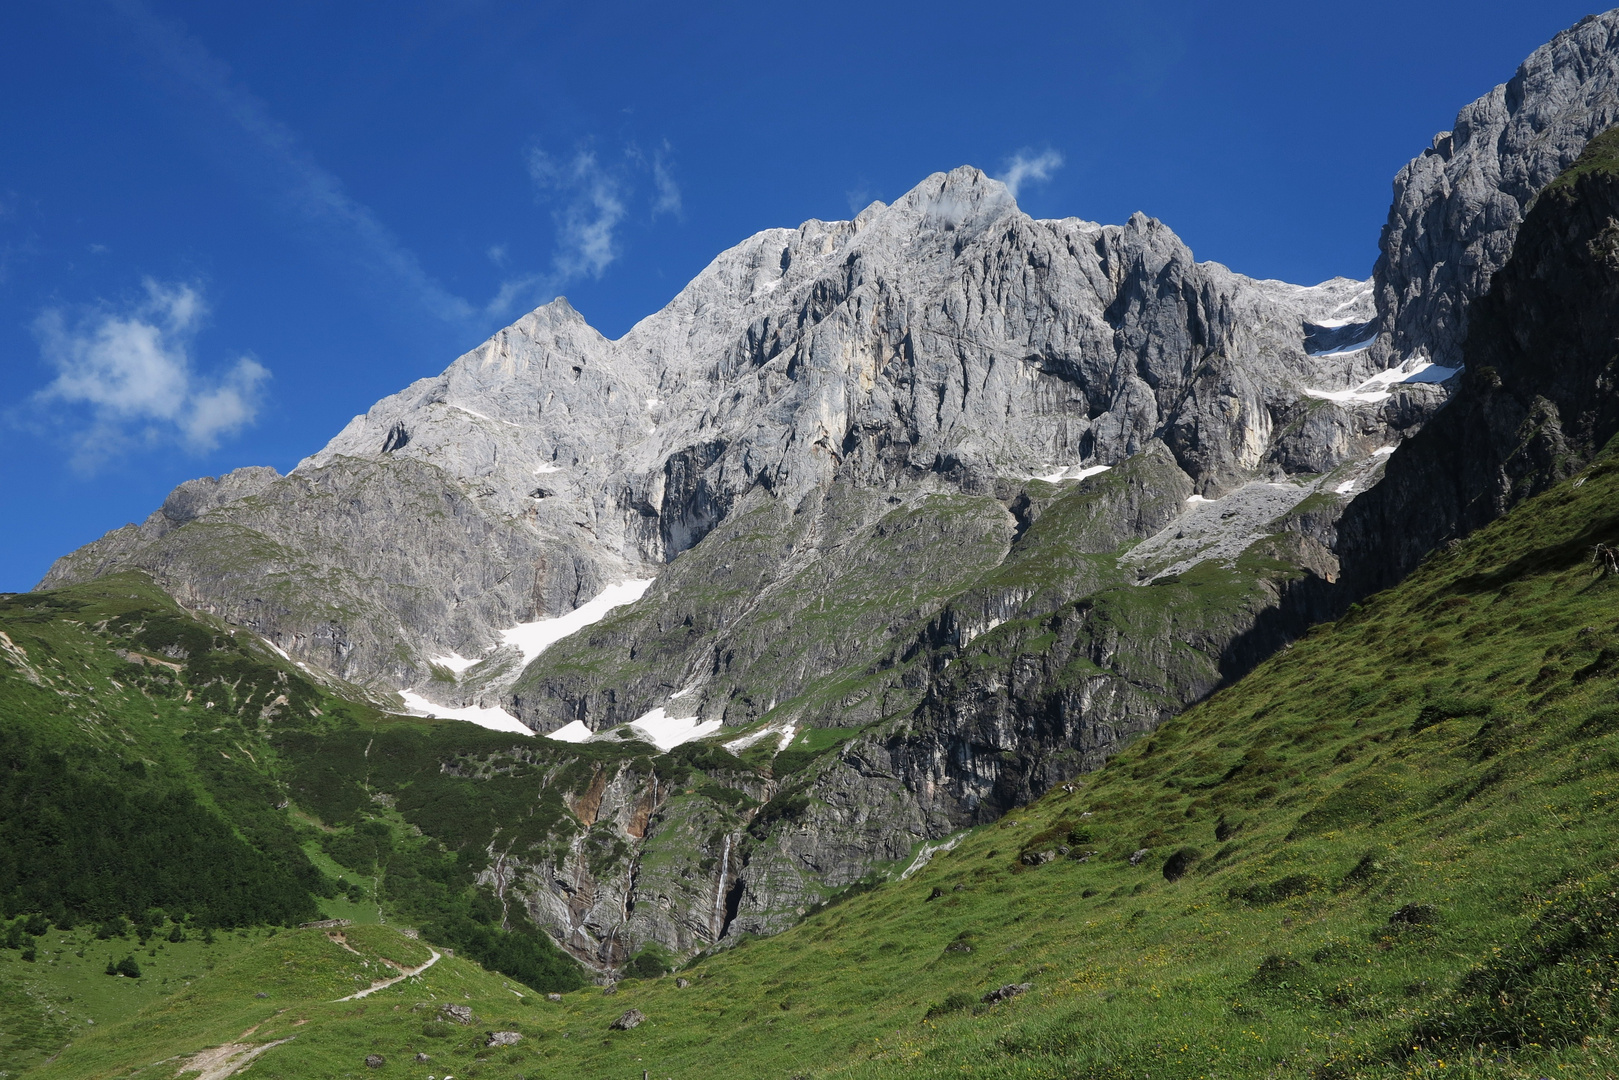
point(227, 228)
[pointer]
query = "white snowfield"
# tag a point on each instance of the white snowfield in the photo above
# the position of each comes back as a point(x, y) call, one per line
point(573, 731)
point(531, 639)
point(492, 717)
point(667, 732)
point(784, 734)
point(1345, 350)
point(656, 727)
point(535, 637)
point(1379, 386)
point(1070, 472)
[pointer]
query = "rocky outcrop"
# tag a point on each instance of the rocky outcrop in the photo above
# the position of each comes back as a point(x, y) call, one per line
point(1539, 398)
point(1457, 208)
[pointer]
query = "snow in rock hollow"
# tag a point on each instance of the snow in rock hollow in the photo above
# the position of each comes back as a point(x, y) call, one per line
point(784, 735)
point(1345, 350)
point(667, 732)
point(1377, 388)
point(533, 638)
point(1071, 472)
point(495, 718)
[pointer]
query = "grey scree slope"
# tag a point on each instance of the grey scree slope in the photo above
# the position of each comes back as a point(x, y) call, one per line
point(822, 449)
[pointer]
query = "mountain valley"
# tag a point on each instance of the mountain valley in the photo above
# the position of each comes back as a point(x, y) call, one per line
point(943, 642)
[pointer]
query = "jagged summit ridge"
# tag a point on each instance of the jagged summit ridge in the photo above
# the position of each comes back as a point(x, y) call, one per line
point(944, 340)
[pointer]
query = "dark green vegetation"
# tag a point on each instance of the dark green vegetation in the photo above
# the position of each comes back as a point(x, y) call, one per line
point(165, 776)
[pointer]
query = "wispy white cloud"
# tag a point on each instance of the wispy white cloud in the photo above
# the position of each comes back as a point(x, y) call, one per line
point(591, 204)
point(1026, 165)
point(663, 182)
point(308, 190)
point(125, 376)
point(592, 199)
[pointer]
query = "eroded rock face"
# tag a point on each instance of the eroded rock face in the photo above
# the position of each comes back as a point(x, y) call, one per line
point(1457, 207)
point(1538, 401)
point(945, 343)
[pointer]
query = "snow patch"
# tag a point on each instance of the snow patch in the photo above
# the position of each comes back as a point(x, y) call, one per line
point(1381, 450)
point(1345, 488)
point(481, 416)
point(786, 733)
point(667, 732)
point(1345, 350)
point(1377, 388)
point(1070, 472)
point(454, 661)
point(535, 637)
point(547, 467)
point(925, 856)
point(572, 731)
point(494, 718)
point(1197, 499)
point(279, 650)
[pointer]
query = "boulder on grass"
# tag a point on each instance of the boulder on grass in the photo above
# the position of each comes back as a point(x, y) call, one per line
point(633, 1018)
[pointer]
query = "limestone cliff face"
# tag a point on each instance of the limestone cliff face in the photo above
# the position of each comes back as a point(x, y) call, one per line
point(1458, 206)
point(1538, 401)
point(948, 342)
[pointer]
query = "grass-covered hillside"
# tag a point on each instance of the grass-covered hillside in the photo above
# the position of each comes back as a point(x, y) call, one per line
point(1387, 852)
point(165, 779)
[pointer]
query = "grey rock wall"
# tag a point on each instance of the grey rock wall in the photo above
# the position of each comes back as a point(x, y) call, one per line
point(1457, 207)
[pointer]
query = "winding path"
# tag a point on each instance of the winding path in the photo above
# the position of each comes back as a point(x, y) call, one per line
point(404, 973)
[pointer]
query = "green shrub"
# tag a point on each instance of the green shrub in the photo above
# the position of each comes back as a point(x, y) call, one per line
point(1176, 865)
point(1555, 986)
point(1273, 892)
point(1445, 708)
point(955, 1001)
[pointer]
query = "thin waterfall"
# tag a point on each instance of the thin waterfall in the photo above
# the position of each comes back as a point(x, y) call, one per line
point(719, 891)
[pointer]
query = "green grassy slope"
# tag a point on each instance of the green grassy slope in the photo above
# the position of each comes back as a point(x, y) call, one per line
point(164, 776)
point(282, 994)
point(1395, 858)
point(1387, 852)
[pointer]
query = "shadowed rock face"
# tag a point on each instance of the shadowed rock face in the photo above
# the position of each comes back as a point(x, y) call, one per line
point(1538, 400)
point(1457, 208)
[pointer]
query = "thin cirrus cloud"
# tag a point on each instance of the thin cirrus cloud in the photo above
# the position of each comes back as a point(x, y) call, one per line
point(308, 190)
point(1026, 165)
point(590, 199)
point(125, 377)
